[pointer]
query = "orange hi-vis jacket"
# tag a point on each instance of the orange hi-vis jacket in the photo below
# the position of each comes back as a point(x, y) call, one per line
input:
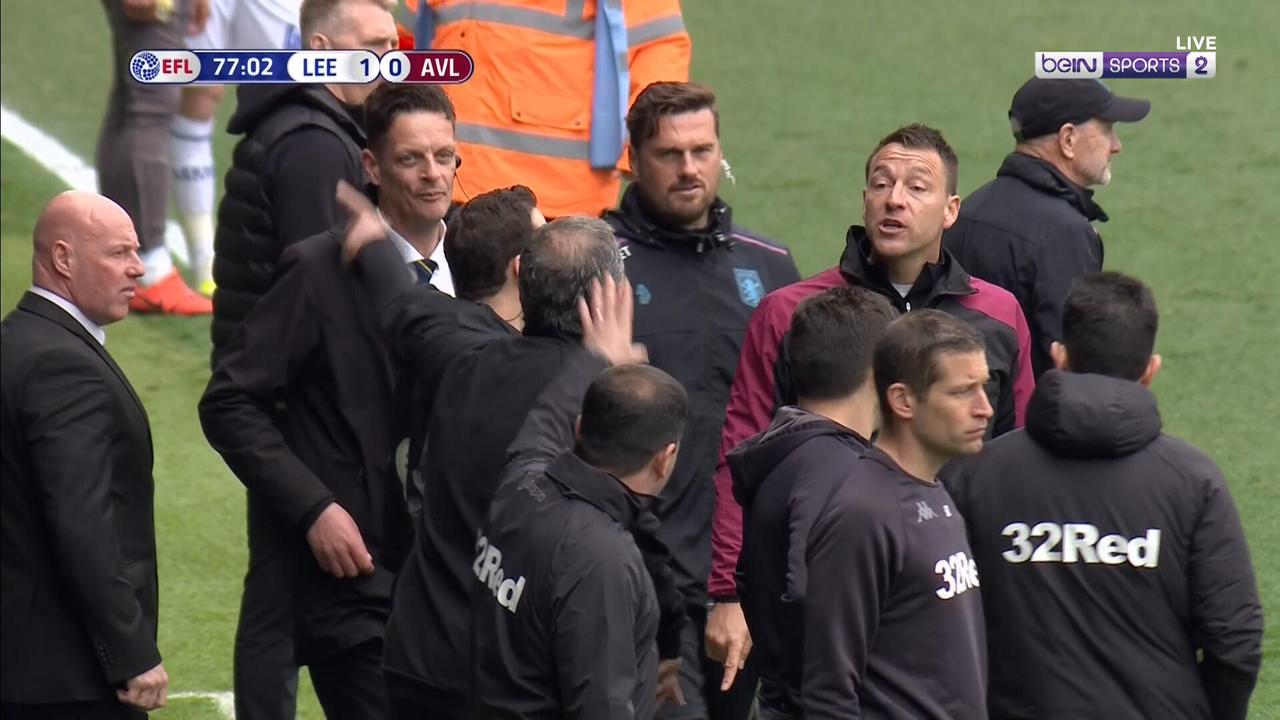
point(524, 117)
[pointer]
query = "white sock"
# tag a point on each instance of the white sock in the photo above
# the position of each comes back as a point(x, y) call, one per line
point(158, 263)
point(193, 189)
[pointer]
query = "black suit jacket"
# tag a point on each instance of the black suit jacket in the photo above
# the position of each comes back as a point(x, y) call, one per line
point(79, 594)
point(299, 407)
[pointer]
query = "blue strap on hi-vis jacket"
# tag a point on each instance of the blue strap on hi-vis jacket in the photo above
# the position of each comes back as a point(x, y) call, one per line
point(611, 88)
point(424, 28)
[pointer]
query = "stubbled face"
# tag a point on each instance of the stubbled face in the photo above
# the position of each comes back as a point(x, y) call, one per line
point(678, 169)
point(1096, 143)
point(414, 169)
point(905, 205)
point(104, 268)
point(951, 419)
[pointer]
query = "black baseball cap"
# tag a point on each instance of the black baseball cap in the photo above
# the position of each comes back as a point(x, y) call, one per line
point(1041, 106)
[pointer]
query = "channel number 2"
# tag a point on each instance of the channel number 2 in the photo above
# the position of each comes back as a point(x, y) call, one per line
point(958, 572)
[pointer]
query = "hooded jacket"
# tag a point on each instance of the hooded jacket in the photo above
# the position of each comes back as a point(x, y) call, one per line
point(565, 612)
point(695, 293)
point(1111, 555)
point(782, 478)
point(299, 141)
point(763, 383)
point(1030, 231)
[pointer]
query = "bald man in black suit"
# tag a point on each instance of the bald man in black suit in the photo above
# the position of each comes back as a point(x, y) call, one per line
point(79, 595)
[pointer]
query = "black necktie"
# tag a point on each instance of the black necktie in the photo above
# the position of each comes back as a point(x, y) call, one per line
point(423, 270)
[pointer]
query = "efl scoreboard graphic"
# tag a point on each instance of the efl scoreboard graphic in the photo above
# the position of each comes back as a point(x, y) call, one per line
point(1195, 58)
point(219, 67)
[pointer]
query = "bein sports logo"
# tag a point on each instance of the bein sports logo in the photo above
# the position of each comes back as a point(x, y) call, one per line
point(1068, 65)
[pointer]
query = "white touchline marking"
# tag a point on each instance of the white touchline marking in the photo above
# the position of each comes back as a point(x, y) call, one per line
point(225, 701)
point(69, 167)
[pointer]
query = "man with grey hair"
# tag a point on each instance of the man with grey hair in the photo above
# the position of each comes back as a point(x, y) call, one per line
point(1030, 230)
point(484, 396)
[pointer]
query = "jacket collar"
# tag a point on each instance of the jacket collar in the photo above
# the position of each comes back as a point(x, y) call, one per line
point(38, 305)
point(636, 220)
point(584, 482)
point(936, 280)
point(1043, 176)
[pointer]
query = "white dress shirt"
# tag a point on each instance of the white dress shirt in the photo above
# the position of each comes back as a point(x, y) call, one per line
point(441, 278)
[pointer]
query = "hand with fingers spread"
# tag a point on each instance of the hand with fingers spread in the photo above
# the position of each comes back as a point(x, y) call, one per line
point(336, 542)
point(728, 640)
point(364, 226)
point(148, 691)
point(669, 683)
point(606, 314)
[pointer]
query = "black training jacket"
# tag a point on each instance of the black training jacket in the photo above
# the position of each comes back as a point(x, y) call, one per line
point(695, 293)
point(1030, 231)
point(1111, 555)
point(482, 400)
point(893, 622)
point(299, 141)
point(564, 612)
point(777, 482)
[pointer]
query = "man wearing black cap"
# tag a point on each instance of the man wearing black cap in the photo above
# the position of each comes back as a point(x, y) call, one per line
point(1030, 230)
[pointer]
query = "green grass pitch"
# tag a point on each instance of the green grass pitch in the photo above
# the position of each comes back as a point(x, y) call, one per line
point(805, 90)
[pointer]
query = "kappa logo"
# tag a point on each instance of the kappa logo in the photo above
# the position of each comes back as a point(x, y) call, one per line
point(750, 287)
point(924, 512)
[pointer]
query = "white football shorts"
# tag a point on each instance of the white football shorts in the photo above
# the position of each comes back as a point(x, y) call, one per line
point(250, 25)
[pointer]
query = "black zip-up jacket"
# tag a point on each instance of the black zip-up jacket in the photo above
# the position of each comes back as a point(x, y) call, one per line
point(1030, 231)
point(312, 347)
point(481, 401)
point(780, 497)
point(299, 141)
point(1111, 555)
point(565, 615)
point(695, 293)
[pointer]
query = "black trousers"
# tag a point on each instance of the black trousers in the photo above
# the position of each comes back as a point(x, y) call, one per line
point(700, 679)
point(265, 671)
point(349, 684)
point(133, 145)
point(99, 710)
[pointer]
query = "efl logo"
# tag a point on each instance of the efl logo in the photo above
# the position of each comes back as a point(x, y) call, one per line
point(164, 66)
point(1069, 65)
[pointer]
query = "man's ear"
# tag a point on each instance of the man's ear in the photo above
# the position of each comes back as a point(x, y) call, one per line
point(634, 161)
point(951, 213)
point(370, 166)
point(901, 401)
point(1058, 353)
point(513, 269)
point(318, 41)
point(1153, 369)
point(665, 461)
point(61, 256)
point(1067, 138)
